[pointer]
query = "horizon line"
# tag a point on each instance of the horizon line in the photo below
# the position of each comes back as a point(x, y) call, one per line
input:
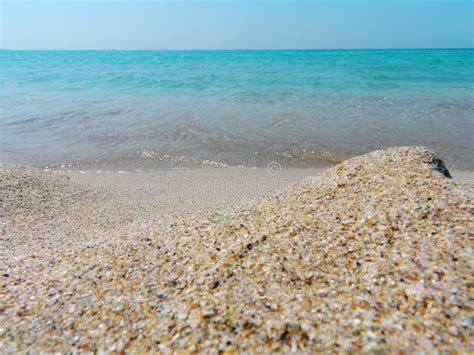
point(234, 49)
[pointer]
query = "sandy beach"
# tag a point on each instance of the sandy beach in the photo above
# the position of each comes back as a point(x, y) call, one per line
point(202, 189)
point(195, 190)
point(236, 177)
point(373, 254)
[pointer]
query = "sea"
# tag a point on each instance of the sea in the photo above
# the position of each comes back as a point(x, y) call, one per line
point(151, 110)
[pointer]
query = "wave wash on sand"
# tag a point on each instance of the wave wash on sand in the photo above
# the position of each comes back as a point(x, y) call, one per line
point(374, 254)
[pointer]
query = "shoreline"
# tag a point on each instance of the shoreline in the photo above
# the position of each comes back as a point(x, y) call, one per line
point(199, 190)
point(195, 189)
point(205, 187)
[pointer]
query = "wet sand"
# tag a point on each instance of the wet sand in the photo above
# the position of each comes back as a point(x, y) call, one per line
point(195, 190)
point(198, 189)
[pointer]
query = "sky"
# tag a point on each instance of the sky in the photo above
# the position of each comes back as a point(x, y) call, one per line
point(236, 24)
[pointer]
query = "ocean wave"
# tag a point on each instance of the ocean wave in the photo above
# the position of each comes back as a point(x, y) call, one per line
point(225, 106)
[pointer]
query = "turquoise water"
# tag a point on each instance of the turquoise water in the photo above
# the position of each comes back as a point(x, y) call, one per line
point(164, 109)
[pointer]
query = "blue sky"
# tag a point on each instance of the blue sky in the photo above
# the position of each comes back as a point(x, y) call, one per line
point(236, 24)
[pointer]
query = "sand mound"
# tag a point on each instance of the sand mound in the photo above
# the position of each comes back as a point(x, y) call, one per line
point(28, 190)
point(34, 203)
point(38, 205)
point(374, 254)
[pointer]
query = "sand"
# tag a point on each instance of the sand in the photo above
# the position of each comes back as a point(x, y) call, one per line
point(373, 254)
point(195, 190)
point(202, 189)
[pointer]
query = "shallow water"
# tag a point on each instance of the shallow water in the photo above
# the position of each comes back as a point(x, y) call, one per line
point(165, 109)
